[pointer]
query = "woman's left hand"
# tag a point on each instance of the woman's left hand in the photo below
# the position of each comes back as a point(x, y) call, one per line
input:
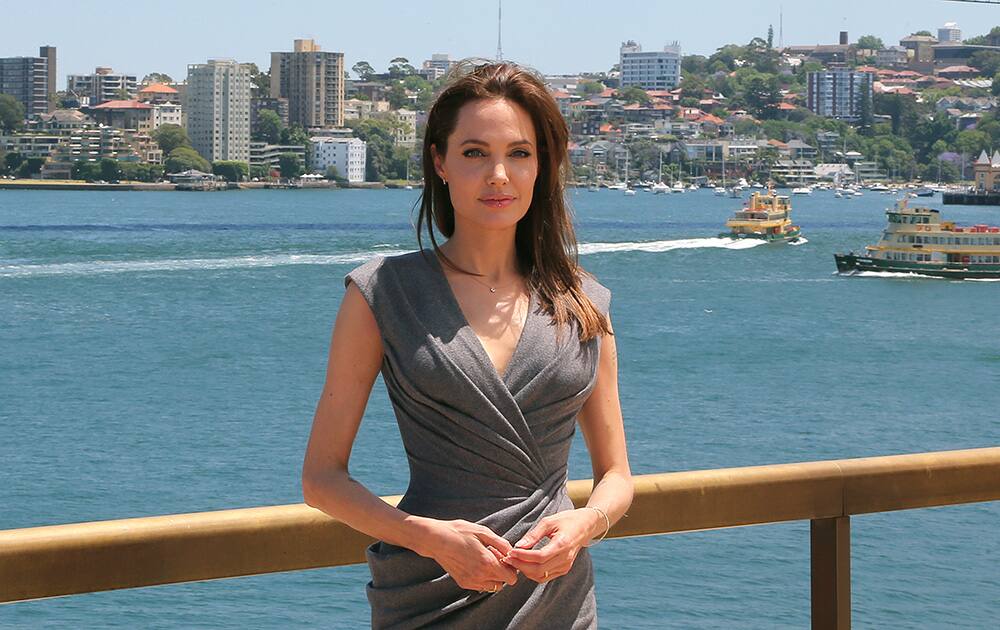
point(568, 532)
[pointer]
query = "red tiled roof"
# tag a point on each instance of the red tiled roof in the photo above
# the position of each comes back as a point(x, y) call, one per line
point(709, 118)
point(608, 93)
point(777, 143)
point(123, 105)
point(160, 88)
point(866, 69)
point(908, 73)
point(606, 127)
point(786, 107)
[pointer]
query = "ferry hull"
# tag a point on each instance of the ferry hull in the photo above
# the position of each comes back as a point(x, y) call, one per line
point(848, 263)
point(787, 237)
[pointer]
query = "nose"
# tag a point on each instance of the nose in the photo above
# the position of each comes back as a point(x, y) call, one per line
point(498, 176)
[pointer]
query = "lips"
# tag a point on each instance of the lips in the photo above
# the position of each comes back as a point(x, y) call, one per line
point(497, 201)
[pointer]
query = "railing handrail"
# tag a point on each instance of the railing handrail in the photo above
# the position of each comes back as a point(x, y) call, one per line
point(58, 560)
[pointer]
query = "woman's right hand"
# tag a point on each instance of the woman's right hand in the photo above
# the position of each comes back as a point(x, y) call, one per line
point(470, 553)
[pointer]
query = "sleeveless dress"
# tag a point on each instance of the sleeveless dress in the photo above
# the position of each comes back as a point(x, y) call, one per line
point(485, 447)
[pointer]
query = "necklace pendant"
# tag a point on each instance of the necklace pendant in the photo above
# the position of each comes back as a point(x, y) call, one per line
point(493, 289)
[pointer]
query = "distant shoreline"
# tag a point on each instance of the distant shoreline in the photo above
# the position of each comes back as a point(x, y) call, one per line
point(54, 184)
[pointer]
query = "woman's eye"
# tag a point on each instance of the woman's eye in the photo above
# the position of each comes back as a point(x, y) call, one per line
point(521, 153)
point(472, 153)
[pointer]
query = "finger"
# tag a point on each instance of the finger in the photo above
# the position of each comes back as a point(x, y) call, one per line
point(489, 538)
point(503, 572)
point(538, 556)
point(538, 532)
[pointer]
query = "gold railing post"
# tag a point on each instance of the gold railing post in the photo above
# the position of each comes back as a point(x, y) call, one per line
point(830, 546)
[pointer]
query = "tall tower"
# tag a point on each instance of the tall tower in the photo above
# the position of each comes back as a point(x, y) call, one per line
point(499, 26)
point(218, 109)
point(313, 82)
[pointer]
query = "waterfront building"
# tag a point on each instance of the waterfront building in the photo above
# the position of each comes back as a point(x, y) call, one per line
point(123, 115)
point(652, 70)
point(920, 51)
point(167, 114)
point(957, 54)
point(406, 134)
point(840, 93)
point(313, 83)
point(797, 172)
point(102, 86)
point(348, 155)
point(218, 109)
point(986, 172)
point(29, 79)
point(269, 155)
point(949, 33)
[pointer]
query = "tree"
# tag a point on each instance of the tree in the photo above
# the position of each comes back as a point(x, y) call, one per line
point(290, 165)
point(870, 42)
point(85, 170)
point(269, 127)
point(261, 80)
point(296, 135)
point(333, 174)
point(400, 67)
point(397, 97)
point(11, 113)
point(986, 61)
point(231, 170)
point(13, 161)
point(184, 159)
point(379, 134)
point(31, 166)
point(995, 87)
point(633, 94)
point(364, 70)
point(924, 33)
point(589, 88)
point(156, 77)
point(259, 172)
point(170, 137)
point(109, 170)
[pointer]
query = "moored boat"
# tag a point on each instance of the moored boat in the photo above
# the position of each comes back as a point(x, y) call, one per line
point(916, 241)
point(766, 217)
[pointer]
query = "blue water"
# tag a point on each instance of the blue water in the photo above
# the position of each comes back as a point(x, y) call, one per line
point(162, 353)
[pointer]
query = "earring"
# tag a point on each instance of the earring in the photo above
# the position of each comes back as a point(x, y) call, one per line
point(445, 181)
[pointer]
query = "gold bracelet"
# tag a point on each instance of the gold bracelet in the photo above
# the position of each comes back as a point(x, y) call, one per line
point(607, 522)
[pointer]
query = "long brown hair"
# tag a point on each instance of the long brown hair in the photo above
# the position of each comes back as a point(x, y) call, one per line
point(544, 240)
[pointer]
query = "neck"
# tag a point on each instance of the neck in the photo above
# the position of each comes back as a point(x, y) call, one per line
point(487, 253)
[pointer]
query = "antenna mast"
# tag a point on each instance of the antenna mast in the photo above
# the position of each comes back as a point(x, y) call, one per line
point(499, 25)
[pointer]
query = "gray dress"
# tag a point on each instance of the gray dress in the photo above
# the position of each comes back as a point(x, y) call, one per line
point(484, 447)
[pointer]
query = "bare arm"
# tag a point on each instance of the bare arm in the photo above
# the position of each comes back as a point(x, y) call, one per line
point(463, 549)
point(568, 532)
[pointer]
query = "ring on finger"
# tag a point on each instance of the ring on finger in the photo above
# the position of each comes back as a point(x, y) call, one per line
point(546, 576)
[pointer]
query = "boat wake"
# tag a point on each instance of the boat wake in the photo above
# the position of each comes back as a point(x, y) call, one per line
point(799, 241)
point(98, 267)
point(666, 246)
point(892, 274)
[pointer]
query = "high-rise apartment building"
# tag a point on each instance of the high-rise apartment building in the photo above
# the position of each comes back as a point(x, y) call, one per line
point(313, 83)
point(102, 86)
point(950, 34)
point(30, 80)
point(653, 70)
point(840, 93)
point(217, 106)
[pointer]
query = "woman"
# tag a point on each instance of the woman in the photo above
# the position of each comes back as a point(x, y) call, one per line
point(492, 346)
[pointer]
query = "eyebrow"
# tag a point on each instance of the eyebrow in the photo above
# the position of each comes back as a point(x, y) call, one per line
point(486, 144)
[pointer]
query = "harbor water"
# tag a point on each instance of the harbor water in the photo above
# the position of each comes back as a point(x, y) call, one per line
point(163, 352)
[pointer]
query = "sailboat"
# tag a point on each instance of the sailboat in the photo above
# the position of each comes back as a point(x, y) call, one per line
point(628, 191)
point(658, 188)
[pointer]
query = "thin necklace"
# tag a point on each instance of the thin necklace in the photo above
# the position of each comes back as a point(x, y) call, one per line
point(493, 289)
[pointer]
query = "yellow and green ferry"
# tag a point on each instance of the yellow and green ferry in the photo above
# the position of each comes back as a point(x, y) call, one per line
point(916, 241)
point(766, 217)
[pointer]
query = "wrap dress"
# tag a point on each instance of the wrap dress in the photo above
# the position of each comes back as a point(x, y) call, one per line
point(481, 446)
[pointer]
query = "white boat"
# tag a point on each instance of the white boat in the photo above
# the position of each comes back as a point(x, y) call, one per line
point(802, 190)
point(720, 191)
point(618, 186)
point(678, 187)
point(756, 185)
point(693, 187)
point(630, 191)
point(659, 188)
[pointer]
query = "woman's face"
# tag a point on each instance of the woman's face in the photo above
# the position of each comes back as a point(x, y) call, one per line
point(490, 165)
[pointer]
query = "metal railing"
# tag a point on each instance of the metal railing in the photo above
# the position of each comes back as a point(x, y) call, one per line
point(58, 560)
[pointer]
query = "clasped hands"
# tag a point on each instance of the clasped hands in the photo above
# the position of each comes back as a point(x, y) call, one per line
point(480, 560)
